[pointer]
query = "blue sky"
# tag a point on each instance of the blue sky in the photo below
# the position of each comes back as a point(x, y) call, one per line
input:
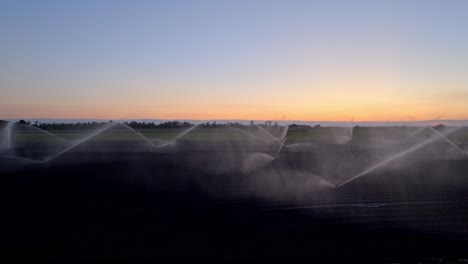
point(311, 60)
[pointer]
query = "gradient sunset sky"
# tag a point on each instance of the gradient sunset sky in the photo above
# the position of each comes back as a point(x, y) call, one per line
point(302, 60)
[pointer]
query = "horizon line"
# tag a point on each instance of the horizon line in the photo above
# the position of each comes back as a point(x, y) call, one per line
point(246, 120)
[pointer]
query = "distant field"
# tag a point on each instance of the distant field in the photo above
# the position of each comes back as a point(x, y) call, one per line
point(294, 135)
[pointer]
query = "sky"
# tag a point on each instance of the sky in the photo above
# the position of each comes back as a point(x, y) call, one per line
point(244, 59)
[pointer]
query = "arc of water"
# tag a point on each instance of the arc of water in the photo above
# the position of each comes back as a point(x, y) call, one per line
point(283, 135)
point(448, 140)
point(285, 132)
point(395, 157)
point(278, 139)
point(269, 134)
point(140, 135)
point(280, 148)
point(185, 132)
point(415, 133)
point(248, 134)
point(48, 133)
point(328, 183)
point(81, 141)
point(178, 136)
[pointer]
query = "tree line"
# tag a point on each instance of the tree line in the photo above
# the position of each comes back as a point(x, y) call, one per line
point(135, 125)
point(95, 125)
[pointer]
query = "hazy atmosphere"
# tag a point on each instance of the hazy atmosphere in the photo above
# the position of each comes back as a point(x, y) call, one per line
point(298, 60)
point(224, 131)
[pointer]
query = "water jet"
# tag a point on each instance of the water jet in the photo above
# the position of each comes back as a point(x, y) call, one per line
point(395, 157)
point(106, 127)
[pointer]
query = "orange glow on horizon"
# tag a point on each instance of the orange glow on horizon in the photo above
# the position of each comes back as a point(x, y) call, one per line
point(369, 113)
point(354, 96)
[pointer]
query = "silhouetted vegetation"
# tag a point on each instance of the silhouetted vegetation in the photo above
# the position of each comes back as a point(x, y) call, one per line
point(95, 125)
point(214, 124)
point(69, 126)
point(439, 127)
point(24, 122)
point(142, 125)
point(148, 125)
point(299, 126)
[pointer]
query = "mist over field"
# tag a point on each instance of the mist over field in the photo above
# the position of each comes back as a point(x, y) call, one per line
point(249, 131)
point(240, 179)
point(264, 160)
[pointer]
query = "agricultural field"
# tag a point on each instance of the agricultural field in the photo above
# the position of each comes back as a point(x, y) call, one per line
point(400, 190)
point(292, 134)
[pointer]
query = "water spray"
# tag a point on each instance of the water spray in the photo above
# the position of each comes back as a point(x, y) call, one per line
point(81, 141)
point(178, 137)
point(395, 157)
